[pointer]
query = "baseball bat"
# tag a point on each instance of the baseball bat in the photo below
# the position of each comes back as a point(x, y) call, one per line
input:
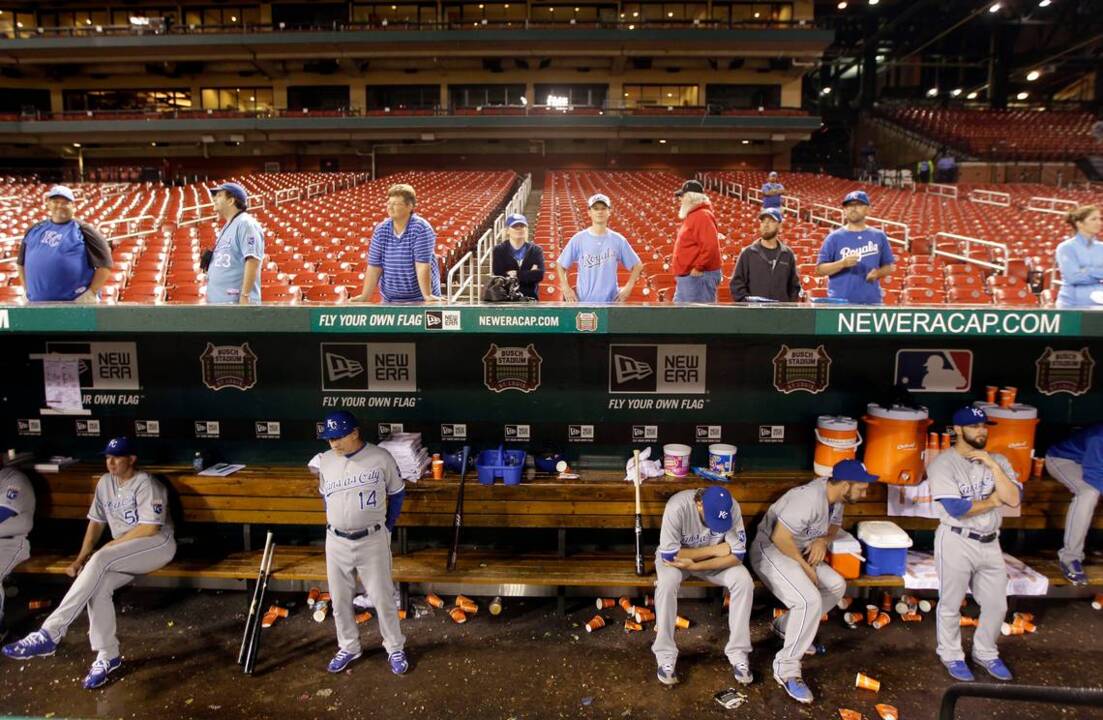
point(457, 522)
point(254, 645)
point(253, 616)
point(639, 519)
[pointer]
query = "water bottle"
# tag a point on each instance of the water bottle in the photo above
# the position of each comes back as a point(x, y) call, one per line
point(198, 463)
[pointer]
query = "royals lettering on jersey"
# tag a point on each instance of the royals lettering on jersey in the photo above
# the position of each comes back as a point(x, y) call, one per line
point(955, 477)
point(869, 249)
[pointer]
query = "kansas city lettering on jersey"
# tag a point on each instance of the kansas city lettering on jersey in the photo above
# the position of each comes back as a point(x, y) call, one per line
point(870, 248)
point(361, 479)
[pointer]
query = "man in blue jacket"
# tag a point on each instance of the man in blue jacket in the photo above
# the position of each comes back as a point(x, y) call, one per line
point(1077, 463)
point(517, 257)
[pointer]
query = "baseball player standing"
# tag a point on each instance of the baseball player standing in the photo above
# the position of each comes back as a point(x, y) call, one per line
point(135, 507)
point(971, 486)
point(788, 555)
point(702, 535)
point(16, 520)
point(363, 493)
point(1077, 463)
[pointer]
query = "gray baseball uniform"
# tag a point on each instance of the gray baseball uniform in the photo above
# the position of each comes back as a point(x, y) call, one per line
point(967, 550)
point(17, 496)
point(805, 512)
point(1077, 463)
point(141, 500)
point(356, 489)
point(683, 528)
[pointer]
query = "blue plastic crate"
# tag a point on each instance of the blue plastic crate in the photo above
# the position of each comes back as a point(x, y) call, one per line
point(509, 465)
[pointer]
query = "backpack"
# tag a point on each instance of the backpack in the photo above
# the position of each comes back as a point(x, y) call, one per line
point(503, 289)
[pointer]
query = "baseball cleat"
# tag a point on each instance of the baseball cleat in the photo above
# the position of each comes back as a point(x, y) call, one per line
point(666, 675)
point(796, 689)
point(37, 644)
point(741, 671)
point(997, 669)
point(959, 671)
point(341, 661)
point(1074, 572)
point(399, 663)
point(97, 675)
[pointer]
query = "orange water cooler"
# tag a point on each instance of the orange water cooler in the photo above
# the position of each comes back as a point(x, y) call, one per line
point(837, 439)
point(1012, 434)
point(895, 440)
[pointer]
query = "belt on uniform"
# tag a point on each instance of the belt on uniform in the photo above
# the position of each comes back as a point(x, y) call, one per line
point(356, 535)
point(975, 536)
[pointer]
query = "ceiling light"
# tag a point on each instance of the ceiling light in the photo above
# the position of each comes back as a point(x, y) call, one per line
point(233, 18)
point(635, 14)
point(1044, 3)
point(1022, 96)
point(76, 145)
point(670, 14)
point(825, 91)
point(631, 27)
point(746, 142)
point(757, 15)
point(932, 92)
point(662, 142)
point(955, 92)
point(994, 8)
point(1033, 75)
point(971, 96)
point(842, 5)
point(874, 2)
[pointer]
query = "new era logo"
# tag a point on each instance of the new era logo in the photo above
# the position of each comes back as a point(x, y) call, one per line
point(626, 368)
point(339, 367)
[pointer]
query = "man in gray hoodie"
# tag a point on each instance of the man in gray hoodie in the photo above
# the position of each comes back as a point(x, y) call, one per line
point(766, 269)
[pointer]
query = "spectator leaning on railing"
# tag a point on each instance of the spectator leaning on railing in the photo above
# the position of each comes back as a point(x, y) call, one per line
point(1080, 259)
point(62, 259)
point(400, 256)
point(517, 257)
point(696, 262)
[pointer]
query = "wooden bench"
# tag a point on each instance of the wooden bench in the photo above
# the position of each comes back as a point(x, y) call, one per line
point(275, 496)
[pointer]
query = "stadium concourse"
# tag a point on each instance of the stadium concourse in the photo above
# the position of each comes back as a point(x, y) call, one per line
point(961, 244)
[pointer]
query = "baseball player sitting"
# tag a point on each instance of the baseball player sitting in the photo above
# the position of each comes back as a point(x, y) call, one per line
point(788, 555)
point(135, 507)
point(971, 486)
point(702, 535)
point(363, 493)
point(16, 520)
point(1077, 463)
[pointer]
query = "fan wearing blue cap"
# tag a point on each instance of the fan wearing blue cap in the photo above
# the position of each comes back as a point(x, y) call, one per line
point(62, 259)
point(772, 192)
point(766, 270)
point(702, 535)
point(518, 258)
point(788, 554)
point(134, 506)
point(363, 495)
point(971, 487)
point(233, 275)
point(855, 257)
point(597, 251)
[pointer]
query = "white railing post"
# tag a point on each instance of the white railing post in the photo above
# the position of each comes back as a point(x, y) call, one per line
point(1053, 206)
point(969, 242)
point(461, 279)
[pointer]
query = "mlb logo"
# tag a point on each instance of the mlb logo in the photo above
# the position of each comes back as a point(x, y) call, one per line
point(942, 370)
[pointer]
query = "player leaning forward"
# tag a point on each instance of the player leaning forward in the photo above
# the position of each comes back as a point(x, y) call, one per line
point(363, 494)
point(135, 507)
point(702, 534)
point(788, 554)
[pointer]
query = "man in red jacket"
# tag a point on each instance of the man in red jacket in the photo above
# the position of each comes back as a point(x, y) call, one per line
point(697, 248)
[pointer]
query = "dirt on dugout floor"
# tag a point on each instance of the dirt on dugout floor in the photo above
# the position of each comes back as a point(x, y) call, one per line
point(180, 649)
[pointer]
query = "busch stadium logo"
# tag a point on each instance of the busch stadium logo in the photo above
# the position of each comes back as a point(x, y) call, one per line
point(369, 367)
point(657, 369)
point(1064, 371)
point(102, 365)
point(802, 369)
point(512, 368)
point(585, 322)
point(229, 366)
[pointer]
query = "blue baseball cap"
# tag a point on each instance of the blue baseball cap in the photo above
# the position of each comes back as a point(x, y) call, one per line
point(598, 198)
point(119, 447)
point(770, 213)
point(338, 424)
point(970, 415)
point(61, 191)
point(857, 196)
point(517, 219)
point(852, 471)
point(236, 191)
point(717, 505)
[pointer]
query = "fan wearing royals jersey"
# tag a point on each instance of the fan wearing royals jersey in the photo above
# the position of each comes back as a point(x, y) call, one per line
point(855, 257)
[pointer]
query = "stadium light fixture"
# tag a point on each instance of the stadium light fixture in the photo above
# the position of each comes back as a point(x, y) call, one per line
point(955, 92)
point(1022, 96)
point(1033, 75)
point(662, 142)
point(842, 5)
point(746, 142)
point(874, 2)
point(825, 91)
point(76, 145)
point(932, 92)
point(994, 7)
point(1044, 4)
point(971, 96)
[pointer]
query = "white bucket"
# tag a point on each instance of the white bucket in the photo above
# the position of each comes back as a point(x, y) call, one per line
point(722, 458)
point(676, 459)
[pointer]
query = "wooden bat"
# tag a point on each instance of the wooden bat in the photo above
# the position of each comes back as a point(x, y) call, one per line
point(253, 616)
point(254, 644)
point(639, 519)
point(457, 522)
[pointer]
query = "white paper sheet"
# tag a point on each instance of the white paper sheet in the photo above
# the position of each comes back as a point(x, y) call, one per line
point(62, 378)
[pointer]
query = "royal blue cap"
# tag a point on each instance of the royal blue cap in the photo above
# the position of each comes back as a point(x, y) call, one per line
point(236, 191)
point(852, 471)
point(598, 198)
point(770, 213)
point(119, 447)
point(970, 415)
point(338, 424)
point(857, 196)
point(517, 219)
point(61, 191)
point(717, 505)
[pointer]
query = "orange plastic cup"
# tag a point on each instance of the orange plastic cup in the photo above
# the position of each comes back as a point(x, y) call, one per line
point(1026, 625)
point(644, 615)
point(854, 618)
point(1012, 393)
point(1012, 629)
point(596, 623)
point(625, 604)
point(38, 604)
point(1028, 617)
point(457, 615)
point(401, 614)
point(990, 392)
point(872, 611)
point(312, 596)
point(631, 625)
point(681, 623)
point(469, 607)
point(363, 617)
point(728, 601)
point(945, 441)
point(1006, 398)
point(438, 468)
point(1097, 602)
point(603, 603)
point(461, 599)
point(848, 714)
point(911, 617)
point(887, 712)
point(1038, 468)
point(882, 620)
point(886, 601)
point(865, 682)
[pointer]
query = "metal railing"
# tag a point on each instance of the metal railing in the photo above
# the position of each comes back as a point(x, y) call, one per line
point(826, 214)
point(969, 242)
point(485, 245)
point(990, 197)
point(1060, 696)
point(791, 204)
point(462, 277)
point(287, 195)
point(199, 216)
point(753, 195)
point(946, 191)
point(896, 232)
point(1053, 206)
point(483, 249)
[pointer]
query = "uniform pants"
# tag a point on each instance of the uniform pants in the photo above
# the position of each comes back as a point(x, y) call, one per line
point(961, 561)
point(12, 552)
point(1078, 521)
point(109, 568)
point(699, 289)
point(370, 558)
point(738, 582)
point(806, 602)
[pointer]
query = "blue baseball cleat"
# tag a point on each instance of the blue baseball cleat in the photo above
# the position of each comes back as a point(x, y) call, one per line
point(37, 644)
point(997, 669)
point(959, 671)
point(666, 675)
point(341, 661)
point(1074, 572)
point(796, 689)
point(399, 663)
point(97, 675)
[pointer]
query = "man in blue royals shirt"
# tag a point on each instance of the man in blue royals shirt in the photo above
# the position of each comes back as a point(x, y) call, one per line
point(855, 257)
